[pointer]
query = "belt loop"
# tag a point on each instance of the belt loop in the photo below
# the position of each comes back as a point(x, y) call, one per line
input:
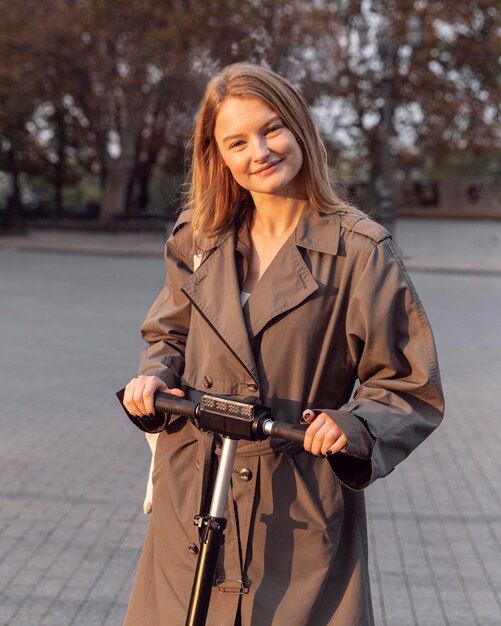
point(290, 449)
point(231, 585)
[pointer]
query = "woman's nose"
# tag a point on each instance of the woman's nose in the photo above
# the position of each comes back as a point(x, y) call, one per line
point(261, 149)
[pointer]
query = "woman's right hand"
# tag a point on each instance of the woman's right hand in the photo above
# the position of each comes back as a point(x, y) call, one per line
point(139, 394)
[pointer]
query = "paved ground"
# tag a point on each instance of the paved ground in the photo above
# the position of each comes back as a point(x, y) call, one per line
point(464, 246)
point(73, 469)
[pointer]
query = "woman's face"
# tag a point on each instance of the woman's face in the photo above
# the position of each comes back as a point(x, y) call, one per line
point(262, 154)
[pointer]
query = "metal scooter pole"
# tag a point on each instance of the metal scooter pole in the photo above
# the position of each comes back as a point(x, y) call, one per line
point(213, 525)
point(233, 420)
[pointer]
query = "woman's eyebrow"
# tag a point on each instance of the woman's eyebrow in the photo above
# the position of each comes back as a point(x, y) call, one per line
point(230, 137)
point(275, 118)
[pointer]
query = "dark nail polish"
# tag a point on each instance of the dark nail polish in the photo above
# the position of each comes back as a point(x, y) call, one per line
point(323, 456)
point(329, 452)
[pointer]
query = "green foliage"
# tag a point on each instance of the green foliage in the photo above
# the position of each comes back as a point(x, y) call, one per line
point(110, 89)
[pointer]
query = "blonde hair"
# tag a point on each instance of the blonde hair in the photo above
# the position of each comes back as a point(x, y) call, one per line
point(216, 198)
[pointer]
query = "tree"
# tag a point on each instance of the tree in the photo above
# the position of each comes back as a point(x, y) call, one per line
point(445, 90)
point(114, 65)
point(18, 85)
point(115, 85)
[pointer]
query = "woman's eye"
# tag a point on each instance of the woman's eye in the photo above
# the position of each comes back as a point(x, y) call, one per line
point(273, 129)
point(237, 144)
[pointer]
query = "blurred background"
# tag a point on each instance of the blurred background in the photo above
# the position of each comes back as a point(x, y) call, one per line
point(97, 102)
point(98, 99)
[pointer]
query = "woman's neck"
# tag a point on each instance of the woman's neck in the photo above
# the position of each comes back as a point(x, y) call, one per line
point(276, 217)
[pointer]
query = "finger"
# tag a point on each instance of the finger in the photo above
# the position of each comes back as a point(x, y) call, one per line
point(138, 398)
point(333, 440)
point(325, 437)
point(338, 446)
point(137, 390)
point(176, 392)
point(152, 384)
point(308, 416)
point(129, 394)
point(152, 387)
point(312, 430)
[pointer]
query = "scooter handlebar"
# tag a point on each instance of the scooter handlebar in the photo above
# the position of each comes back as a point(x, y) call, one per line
point(283, 430)
point(168, 403)
point(226, 416)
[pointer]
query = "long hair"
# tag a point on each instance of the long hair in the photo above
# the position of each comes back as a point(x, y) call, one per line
point(216, 198)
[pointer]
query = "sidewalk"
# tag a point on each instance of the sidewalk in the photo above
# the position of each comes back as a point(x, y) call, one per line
point(87, 242)
point(449, 246)
point(74, 469)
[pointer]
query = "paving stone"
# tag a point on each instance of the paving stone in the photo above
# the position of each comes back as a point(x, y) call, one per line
point(71, 525)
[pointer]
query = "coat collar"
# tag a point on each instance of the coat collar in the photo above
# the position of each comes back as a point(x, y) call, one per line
point(314, 231)
point(318, 231)
point(288, 280)
point(214, 290)
point(214, 287)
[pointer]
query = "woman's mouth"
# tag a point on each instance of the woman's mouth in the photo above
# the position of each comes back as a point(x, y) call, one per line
point(267, 167)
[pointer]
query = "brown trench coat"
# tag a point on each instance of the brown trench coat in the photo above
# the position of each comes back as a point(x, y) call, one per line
point(335, 305)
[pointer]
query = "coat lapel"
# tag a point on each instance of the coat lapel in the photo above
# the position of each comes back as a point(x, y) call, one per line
point(284, 285)
point(288, 281)
point(214, 290)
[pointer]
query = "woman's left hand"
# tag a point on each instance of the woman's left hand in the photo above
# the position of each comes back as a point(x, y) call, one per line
point(323, 436)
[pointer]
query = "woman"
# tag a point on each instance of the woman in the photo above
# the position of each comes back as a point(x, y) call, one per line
point(279, 293)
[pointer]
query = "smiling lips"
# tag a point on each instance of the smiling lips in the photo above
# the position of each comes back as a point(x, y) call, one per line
point(267, 166)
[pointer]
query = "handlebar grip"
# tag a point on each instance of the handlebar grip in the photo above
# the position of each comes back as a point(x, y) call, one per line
point(289, 432)
point(167, 403)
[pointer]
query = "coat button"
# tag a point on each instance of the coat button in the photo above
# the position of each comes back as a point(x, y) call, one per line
point(245, 474)
point(252, 387)
point(208, 382)
point(197, 465)
point(193, 549)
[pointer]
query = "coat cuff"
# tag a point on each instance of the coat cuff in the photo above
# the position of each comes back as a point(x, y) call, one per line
point(353, 466)
point(170, 378)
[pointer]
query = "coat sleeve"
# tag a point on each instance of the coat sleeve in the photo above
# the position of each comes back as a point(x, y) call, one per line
point(166, 326)
point(399, 401)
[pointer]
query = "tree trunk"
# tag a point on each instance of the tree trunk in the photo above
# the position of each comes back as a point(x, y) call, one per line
point(114, 195)
point(12, 218)
point(143, 177)
point(118, 173)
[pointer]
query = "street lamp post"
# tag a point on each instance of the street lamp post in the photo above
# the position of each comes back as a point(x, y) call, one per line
point(386, 208)
point(387, 49)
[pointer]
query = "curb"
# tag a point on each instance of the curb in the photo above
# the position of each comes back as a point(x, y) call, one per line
point(85, 250)
point(155, 250)
point(152, 249)
point(438, 267)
